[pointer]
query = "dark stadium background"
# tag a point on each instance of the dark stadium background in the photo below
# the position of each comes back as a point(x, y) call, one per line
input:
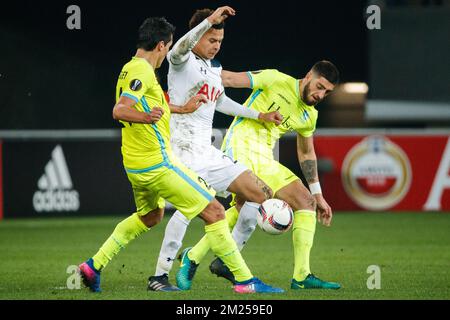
point(55, 78)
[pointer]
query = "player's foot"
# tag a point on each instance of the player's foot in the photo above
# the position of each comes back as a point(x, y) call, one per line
point(161, 283)
point(186, 272)
point(255, 285)
point(219, 268)
point(90, 275)
point(312, 282)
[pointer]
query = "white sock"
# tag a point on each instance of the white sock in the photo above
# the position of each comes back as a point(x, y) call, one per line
point(246, 223)
point(173, 238)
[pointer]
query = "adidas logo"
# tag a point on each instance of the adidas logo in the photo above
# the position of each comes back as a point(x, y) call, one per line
point(155, 285)
point(55, 186)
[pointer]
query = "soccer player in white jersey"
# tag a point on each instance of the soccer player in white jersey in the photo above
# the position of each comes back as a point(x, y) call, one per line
point(193, 71)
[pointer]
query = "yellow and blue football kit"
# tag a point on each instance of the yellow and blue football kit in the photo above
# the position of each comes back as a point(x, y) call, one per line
point(252, 142)
point(153, 170)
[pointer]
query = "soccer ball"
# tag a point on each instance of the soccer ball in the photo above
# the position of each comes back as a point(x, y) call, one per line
point(275, 216)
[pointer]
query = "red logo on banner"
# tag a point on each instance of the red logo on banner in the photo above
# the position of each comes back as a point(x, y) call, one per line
point(376, 173)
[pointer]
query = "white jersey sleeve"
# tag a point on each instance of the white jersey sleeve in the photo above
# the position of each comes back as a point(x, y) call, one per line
point(230, 107)
point(180, 51)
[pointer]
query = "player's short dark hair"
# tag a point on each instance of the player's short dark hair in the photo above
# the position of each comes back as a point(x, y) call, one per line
point(200, 15)
point(327, 70)
point(152, 31)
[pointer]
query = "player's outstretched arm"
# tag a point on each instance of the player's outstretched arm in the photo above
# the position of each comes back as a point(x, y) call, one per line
point(192, 105)
point(230, 107)
point(185, 44)
point(235, 79)
point(308, 163)
point(123, 110)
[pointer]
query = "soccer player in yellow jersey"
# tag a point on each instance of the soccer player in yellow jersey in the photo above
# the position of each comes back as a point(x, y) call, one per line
point(155, 173)
point(251, 143)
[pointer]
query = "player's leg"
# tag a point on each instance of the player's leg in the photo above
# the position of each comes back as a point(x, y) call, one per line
point(224, 247)
point(198, 199)
point(149, 213)
point(304, 207)
point(219, 172)
point(242, 224)
point(178, 223)
point(250, 191)
point(173, 237)
point(172, 242)
point(247, 187)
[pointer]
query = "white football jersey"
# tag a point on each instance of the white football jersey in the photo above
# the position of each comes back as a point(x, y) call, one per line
point(192, 131)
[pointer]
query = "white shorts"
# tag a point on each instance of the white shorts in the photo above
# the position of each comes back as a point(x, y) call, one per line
point(218, 169)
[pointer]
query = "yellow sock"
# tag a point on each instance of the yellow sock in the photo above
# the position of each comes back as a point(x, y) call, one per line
point(303, 237)
point(231, 215)
point(223, 246)
point(125, 231)
point(199, 251)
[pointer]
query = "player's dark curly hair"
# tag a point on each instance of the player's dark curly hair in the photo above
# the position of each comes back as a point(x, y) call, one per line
point(201, 15)
point(152, 31)
point(327, 70)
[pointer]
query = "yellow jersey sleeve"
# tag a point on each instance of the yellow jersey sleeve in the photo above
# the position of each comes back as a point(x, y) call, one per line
point(136, 82)
point(307, 132)
point(262, 79)
point(309, 116)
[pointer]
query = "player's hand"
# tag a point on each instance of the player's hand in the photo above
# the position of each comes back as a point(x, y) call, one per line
point(274, 117)
point(324, 212)
point(194, 103)
point(155, 115)
point(221, 14)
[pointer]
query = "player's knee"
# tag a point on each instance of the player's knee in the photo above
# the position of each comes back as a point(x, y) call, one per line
point(219, 210)
point(152, 218)
point(214, 212)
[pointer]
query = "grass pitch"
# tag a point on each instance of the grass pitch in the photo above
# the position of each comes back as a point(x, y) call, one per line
point(412, 251)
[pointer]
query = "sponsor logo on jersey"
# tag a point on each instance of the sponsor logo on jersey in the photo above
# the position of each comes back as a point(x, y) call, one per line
point(284, 98)
point(376, 173)
point(211, 92)
point(56, 191)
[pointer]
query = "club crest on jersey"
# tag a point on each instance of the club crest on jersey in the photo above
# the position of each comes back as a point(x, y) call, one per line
point(211, 92)
point(136, 85)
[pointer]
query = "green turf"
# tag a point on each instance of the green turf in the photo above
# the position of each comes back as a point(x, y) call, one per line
point(412, 250)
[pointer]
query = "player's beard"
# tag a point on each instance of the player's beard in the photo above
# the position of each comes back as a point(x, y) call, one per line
point(305, 94)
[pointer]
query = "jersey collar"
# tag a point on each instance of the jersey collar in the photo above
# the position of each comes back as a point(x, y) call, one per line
point(207, 62)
